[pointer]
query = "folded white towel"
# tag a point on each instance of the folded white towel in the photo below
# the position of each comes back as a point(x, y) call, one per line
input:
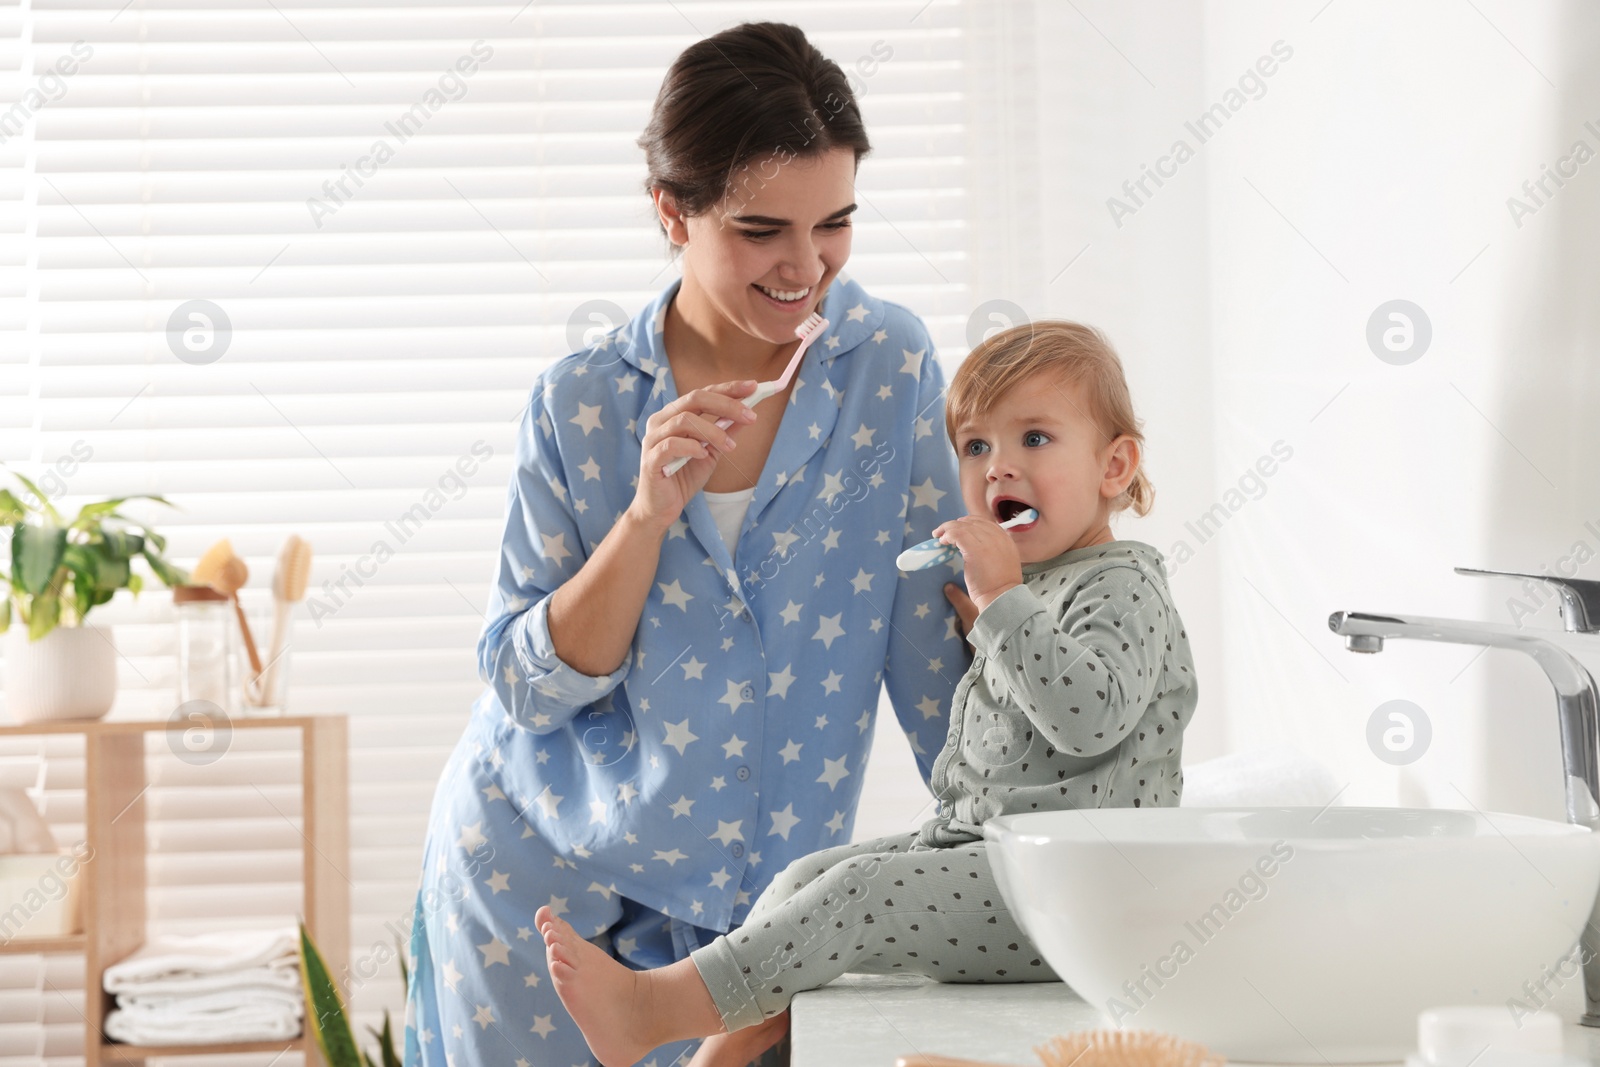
point(1279, 776)
point(281, 974)
point(148, 1005)
point(238, 1023)
point(179, 956)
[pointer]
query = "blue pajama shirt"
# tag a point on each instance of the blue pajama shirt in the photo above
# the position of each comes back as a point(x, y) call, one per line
point(650, 806)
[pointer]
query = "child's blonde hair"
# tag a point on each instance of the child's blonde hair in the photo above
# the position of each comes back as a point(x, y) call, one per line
point(1078, 353)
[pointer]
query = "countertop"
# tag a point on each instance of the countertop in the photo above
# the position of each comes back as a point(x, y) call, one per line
point(864, 1020)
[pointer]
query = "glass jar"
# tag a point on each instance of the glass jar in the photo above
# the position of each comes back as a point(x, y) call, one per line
point(207, 653)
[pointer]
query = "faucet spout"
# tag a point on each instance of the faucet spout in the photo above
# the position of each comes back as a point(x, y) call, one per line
point(1578, 710)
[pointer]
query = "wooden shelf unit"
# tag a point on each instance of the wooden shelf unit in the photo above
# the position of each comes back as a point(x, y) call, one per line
point(113, 889)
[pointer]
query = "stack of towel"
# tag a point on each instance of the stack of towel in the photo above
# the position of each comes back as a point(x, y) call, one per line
point(236, 986)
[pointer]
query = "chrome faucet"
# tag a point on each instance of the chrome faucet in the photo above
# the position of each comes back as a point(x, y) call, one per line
point(1577, 704)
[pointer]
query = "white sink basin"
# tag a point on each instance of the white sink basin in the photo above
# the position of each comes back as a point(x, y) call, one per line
point(1295, 935)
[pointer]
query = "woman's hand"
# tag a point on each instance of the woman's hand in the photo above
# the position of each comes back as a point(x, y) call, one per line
point(988, 555)
point(687, 427)
point(966, 610)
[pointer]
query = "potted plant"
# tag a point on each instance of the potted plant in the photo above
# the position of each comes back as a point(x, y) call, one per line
point(57, 667)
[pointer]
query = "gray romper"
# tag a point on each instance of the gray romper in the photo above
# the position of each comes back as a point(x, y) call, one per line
point(1080, 687)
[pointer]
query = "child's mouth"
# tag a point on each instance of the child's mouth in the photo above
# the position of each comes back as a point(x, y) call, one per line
point(1008, 507)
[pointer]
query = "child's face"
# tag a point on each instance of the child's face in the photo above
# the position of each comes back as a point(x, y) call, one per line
point(1038, 447)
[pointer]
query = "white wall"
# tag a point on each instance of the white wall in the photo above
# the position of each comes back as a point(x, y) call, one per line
point(1375, 164)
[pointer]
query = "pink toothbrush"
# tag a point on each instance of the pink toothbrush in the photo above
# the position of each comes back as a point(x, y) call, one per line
point(807, 331)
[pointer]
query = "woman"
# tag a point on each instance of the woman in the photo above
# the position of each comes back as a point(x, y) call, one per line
point(683, 671)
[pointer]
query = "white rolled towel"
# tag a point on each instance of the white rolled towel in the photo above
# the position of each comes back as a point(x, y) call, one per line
point(178, 956)
point(283, 975)
point(1277, 776)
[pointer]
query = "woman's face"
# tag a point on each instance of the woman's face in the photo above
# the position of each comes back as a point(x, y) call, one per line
point(764, 257)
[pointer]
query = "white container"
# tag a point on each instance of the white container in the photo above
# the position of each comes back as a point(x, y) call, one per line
point(68, 674)
point(1294, 934)
point(39, 895)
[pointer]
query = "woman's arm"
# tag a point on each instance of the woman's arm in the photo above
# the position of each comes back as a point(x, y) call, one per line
point(594, 614)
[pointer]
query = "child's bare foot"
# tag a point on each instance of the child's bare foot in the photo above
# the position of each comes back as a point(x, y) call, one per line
point(742, 1047)
point(609, 1001)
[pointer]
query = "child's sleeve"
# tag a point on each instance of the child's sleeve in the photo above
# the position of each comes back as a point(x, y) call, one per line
point(540, 549)
point(1083, 673)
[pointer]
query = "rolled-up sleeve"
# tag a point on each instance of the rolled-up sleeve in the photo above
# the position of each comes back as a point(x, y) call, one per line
point(541, 547)
point(926, 657)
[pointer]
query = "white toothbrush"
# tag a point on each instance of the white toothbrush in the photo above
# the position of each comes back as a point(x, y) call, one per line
point(933, 552)
point(807, 331)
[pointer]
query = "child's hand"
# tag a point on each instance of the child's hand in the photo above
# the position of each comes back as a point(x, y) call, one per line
point(988, 553)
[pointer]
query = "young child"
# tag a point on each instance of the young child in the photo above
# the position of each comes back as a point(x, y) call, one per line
point(1080, 687)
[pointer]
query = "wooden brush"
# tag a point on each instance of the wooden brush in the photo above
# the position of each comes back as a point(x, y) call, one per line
point(1099, 1048)
point(289, 582)
point(225, 572)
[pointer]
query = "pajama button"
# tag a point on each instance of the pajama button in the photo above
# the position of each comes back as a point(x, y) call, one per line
point(743, 773)
point(737, 850)
point(748, 692)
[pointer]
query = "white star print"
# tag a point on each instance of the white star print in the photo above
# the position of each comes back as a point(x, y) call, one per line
point(548, 801)
point(782, 822)
point(857, 313)
point(735, 697)
point(588, 417)
point(880, 336)
point(782, 541)
point(679, 735)
point(830, 684)
point(927, 494)
point(828, 629)
point(734, 747)
point(693, 668)
point(471, 837)
point(670, 857)
point(836, 824)
point(913, 363)
point(728, 832)
point(862, 581)
point(496, 951)
point(555, 548)
point(498, 882)
point(542, 1024)
point(833, 485)
point(929, 707)
point(681, 806)
point(590, 469)
point(483, 1016)
point(863, 436)
point(778, 684)
point(790, 752)
point(790, 613)
point(672, 593)
point(831, 541)
point(720, 878)
point(834, 770)
point(451, 975)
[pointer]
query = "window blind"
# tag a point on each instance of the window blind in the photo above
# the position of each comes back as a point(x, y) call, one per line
point(394, 214)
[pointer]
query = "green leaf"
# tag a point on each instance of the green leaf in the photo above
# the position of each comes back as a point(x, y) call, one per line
point(135, 583)
point(169, 575)
point(35, 554)
point(11, 508)
point(120, 542)
point(5, 615)
point(325, 1015)
point(112, 571)
point(386, 1043)
point(43, 615)
point(81, 563)
point(44, 501)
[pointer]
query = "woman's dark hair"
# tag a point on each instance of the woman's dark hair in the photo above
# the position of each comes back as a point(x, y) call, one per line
point(757, 90)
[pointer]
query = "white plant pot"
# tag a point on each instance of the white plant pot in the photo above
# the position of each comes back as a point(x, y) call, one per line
point(69, 673)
